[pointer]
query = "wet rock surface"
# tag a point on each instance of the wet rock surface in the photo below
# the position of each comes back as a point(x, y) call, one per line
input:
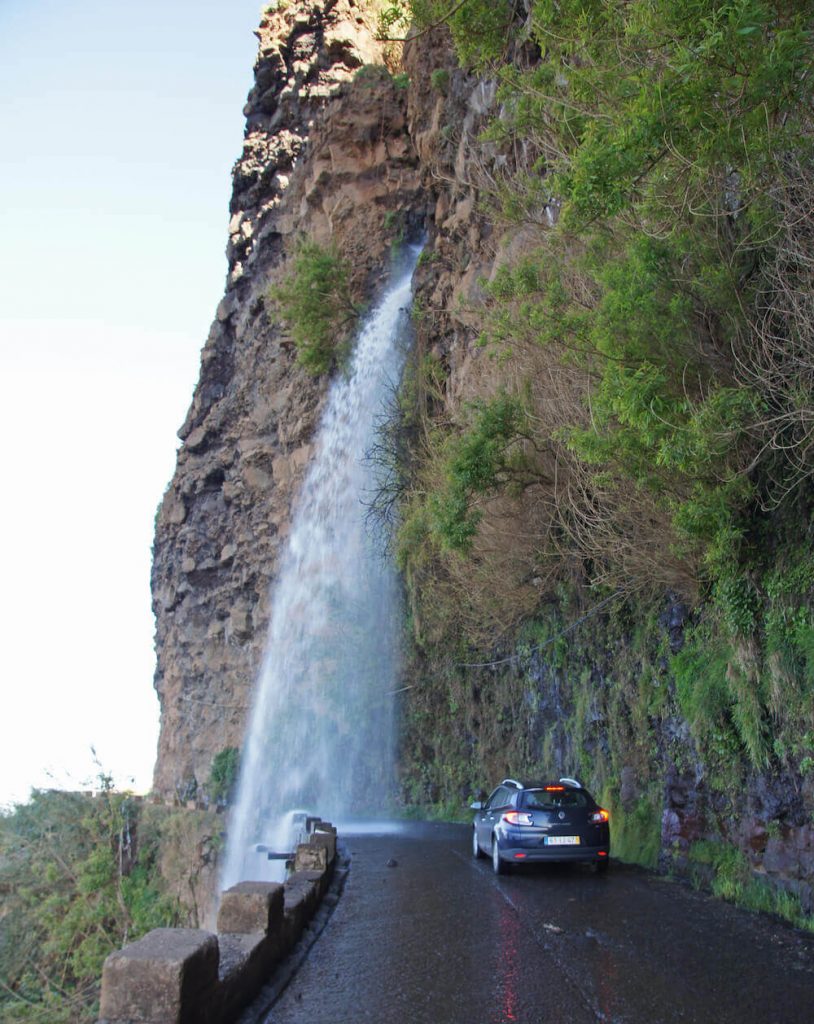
point(439, 938)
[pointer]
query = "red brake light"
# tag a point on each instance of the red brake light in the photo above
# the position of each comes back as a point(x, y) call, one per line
point(600, 815)
point(555, 789)
point(518, 818)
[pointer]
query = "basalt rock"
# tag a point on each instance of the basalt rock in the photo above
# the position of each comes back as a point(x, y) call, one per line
point(327, 154)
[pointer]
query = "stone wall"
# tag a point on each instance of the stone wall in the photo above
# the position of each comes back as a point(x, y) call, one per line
point(192, 976)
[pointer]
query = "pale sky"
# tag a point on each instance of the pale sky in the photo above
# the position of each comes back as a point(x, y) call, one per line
point(119, 124)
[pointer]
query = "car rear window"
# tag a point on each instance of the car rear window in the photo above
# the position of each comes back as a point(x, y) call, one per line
point(543, 799)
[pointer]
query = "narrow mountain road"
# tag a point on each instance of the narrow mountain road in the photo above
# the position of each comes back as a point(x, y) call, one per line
point(438, 939)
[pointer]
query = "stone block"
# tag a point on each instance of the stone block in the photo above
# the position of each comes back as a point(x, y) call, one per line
point(168, 977)
point(246, 963)
point(250, 907)
point(302, 892)
point(308, 857)
point(326, 840)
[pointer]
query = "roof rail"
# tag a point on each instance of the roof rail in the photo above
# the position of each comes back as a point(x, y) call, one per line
point(512, 782)
point(572, 782)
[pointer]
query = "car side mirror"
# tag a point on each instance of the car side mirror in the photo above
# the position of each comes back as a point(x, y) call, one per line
point(476, 805)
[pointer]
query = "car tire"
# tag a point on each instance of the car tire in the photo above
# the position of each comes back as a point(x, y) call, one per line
point(477, 852)
point(602, 866)
point(500, 867)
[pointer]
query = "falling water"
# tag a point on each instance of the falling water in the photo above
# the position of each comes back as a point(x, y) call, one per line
point(321, 731)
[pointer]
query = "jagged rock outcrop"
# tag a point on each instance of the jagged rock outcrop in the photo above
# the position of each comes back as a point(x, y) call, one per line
point(326, 153)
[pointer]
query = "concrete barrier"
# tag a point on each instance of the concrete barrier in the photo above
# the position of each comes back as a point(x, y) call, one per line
point(169, 975)
point(191, 976)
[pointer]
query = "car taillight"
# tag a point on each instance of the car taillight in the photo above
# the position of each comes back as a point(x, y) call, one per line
point(518, 818)
point(600, 816)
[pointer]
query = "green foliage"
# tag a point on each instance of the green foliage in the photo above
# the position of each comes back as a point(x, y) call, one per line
point(79, 881)
point(394, 19)
point(659, 130)
point(738, 600)
point(727, 871)
point(721, 699)
point(475, 464)
point(643, 98)
point(223, 775)
point(315, 299)
point(789, 620)
point(636, 831)
point(439, 80)
point(659, 418)
point(372, 74)
point(730, 868)
point(675, 139)
point(480, 29)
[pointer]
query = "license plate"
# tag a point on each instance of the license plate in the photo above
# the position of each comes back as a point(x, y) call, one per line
point(562, 840)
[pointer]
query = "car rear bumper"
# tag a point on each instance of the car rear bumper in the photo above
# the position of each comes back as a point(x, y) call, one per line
point(529, 855)
point(529, 847)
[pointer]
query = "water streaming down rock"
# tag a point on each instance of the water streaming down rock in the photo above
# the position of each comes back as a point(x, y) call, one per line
point(321, 731)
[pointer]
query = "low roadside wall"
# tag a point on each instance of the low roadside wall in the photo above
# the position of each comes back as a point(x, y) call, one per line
point(191, 976)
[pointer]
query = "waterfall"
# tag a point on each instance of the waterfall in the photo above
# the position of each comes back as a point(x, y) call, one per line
point(321, 734)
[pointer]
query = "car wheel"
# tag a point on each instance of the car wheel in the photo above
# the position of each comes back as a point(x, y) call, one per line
point(498, 866)
point(602, 866)
point(477, 852)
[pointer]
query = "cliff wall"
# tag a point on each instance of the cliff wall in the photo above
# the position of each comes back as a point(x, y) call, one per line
point(326, 155)
point(516, 663)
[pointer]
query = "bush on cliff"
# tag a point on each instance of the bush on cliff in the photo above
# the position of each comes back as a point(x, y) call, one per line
point(223, 775)
point(315, 299)
point(79, 878)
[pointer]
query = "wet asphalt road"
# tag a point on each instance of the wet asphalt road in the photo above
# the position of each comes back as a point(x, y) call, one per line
point(439, 939)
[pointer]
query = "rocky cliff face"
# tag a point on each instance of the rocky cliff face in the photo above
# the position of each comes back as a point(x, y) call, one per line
point(326, 154)
point(339, 150)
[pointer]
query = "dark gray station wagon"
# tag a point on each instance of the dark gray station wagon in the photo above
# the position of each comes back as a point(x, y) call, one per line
point(524, 822)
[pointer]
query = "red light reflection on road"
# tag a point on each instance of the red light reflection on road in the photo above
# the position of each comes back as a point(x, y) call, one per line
point(606, 982)
point(508, 965)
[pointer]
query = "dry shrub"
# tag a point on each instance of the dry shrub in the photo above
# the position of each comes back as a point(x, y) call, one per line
point(622, 532)
point(774, 352)
point(560, 521)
